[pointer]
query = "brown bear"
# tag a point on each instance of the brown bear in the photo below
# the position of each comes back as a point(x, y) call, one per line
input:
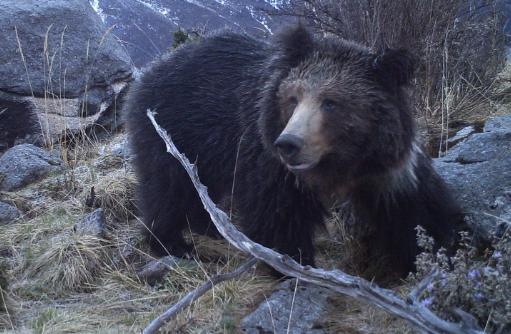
point(283, 129)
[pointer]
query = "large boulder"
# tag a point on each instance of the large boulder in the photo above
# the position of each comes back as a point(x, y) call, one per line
point(294, 309)
point(24, 164)
point(63, 60)
point(478, 170)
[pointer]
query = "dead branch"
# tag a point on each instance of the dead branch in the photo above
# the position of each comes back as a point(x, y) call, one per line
point(419, 289)
point(411, 310)
point(196, 294)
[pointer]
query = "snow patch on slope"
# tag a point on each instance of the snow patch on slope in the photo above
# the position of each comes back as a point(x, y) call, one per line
point(277, 4)
point(95, 5)
point(155, 7)
point(201, 5)
point(260, 19)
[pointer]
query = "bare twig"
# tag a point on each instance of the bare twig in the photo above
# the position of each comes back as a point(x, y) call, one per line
point(417, 292)
point(412, 311)
point(196, 294)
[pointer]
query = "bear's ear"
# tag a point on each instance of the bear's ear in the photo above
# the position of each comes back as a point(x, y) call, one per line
point(396, 66)
point(295, 43)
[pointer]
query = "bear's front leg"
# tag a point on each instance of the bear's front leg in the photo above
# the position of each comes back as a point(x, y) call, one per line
point(287, 226)
point(293, 238)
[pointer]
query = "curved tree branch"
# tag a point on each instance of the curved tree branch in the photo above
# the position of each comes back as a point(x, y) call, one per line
point(411, 310)
point(196, 294)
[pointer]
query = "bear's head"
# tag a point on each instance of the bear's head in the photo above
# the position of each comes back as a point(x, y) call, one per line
point(334, 110)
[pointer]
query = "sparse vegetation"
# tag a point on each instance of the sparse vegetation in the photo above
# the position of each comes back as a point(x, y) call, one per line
point(181, 36)
point(6, 307)
point(477, 282)
point(57, 276)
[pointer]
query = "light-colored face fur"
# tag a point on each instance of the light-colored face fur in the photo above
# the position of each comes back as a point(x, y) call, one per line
point(302, 111)
point(315, 94)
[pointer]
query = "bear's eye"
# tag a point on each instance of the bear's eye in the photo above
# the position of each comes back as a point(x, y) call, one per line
point(292, 102)
point(328, 105)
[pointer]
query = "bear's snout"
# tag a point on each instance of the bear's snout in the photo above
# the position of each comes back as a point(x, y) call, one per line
point(289, 146)
point(295, 153)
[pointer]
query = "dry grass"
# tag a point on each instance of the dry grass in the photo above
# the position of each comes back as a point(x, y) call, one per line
point(69, 262)
point(351, 317)
point(6, 302)
point(56, 277)
point(114, 192)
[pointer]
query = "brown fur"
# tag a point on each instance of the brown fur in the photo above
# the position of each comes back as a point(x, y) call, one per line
point(283, 126)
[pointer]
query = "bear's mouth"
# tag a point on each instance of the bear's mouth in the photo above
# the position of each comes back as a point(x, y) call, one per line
point(301, 167)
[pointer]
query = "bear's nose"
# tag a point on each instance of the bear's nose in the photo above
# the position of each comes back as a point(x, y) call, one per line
point(288, 145)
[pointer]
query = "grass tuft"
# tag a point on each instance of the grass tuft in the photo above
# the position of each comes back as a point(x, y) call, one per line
point(69, 262)
point(115, 193)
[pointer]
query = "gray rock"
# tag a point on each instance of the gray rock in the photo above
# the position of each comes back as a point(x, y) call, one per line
point(72, 70)
point(93, 224)
point(273, 314)
point(113, 154)
point(499, 123)
point(24, 164)
point(155, 270)
point(8, 213)
point(478, 170)
point(78, 44)
point(117, 147)
point(481, 147)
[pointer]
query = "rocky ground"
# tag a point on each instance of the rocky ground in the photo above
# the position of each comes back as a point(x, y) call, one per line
point(72, 251)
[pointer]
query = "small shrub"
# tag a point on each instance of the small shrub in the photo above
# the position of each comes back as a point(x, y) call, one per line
point(476, 282)
point(181, 36)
